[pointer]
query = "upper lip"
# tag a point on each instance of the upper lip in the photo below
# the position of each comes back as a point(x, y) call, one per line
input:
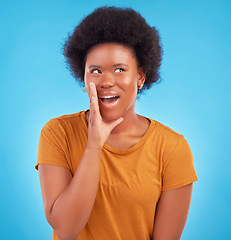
point(108, 94)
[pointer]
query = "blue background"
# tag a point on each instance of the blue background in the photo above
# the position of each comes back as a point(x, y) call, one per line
point(193, 99)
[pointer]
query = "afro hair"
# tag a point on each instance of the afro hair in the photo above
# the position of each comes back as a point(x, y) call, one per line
point(115, 25)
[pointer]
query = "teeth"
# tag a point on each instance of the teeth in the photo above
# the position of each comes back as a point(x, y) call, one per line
point(108, 97)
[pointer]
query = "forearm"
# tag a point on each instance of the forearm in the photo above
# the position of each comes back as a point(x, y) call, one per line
point(171, 213)
point(71, 210)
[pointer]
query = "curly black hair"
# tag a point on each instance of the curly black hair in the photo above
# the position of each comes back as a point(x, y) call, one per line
point(115, 25)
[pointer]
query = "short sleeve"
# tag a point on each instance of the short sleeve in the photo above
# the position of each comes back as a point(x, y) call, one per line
point(178, 169)
point(52, 146)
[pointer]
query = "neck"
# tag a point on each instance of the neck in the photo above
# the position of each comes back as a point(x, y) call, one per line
point(130, 122)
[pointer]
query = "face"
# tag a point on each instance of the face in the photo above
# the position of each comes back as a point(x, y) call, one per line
point(113, 69)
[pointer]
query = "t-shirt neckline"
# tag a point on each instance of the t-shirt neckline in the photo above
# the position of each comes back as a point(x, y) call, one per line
point(126, 151)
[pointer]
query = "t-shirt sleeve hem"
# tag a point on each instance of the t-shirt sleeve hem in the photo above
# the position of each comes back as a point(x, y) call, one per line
point(180, 184)
point(53, 163)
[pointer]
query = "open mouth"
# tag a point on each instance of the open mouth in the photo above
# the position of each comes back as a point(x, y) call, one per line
point(109, 99)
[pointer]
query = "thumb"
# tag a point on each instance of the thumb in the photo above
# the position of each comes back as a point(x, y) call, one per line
point(116, 122)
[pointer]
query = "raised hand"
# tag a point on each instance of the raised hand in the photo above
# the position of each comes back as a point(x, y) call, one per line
point(98, 129)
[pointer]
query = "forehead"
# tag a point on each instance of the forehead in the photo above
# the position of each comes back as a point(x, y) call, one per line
point(110, 53)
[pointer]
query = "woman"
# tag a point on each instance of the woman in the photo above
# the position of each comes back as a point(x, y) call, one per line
point(108, 173)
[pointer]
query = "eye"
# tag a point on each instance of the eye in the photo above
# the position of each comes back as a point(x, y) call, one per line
point(119, 70)
point(95, 71)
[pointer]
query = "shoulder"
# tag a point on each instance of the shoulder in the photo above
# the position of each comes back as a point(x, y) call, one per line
point(65, 121)
point(66, 126)
point(167, 139)
point(164, 132)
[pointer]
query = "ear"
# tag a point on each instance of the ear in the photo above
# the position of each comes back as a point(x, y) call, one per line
point(141, 77)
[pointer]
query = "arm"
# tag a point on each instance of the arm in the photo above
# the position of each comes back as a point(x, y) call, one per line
point(171, 213)
point(68, 201)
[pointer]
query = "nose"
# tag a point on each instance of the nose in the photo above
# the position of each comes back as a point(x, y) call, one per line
point(107, 81)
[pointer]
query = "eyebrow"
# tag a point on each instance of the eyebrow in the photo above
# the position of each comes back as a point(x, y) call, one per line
point(94, 66)
point(120, 64)
point(115, 65)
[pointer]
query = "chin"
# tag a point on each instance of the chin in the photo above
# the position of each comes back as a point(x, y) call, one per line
point(110, 115)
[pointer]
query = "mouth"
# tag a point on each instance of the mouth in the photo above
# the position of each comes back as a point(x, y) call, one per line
point(109, 101)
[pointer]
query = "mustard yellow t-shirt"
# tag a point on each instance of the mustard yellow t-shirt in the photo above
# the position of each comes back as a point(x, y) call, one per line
point(130, 181)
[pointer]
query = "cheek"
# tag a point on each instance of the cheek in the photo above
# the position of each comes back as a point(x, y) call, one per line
point(88, 79)
point(129, 83)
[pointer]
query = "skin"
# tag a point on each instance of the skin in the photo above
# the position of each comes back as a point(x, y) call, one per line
point(68, 201)
point(117, 72)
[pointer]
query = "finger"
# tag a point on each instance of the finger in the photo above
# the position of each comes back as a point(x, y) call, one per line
point(93, 91)
point(94, 97)
point(94, 105)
